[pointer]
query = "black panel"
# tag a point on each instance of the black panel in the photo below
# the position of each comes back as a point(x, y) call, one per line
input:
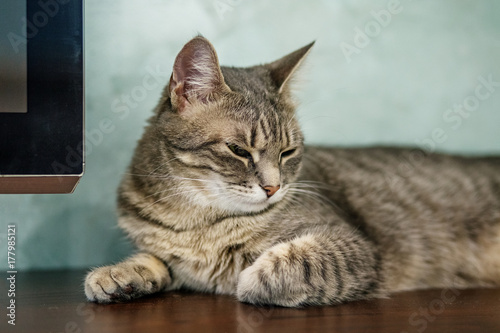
point(48, 140)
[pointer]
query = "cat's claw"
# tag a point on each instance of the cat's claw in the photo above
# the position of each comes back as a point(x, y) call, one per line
point(136, 277)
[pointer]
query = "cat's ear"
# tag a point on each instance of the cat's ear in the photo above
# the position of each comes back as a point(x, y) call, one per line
point(282, 69)
point(196, 76)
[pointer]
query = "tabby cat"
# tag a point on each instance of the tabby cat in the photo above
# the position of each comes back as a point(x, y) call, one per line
point(222, 196)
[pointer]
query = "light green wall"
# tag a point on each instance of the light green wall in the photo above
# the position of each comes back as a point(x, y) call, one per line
point(396, 90)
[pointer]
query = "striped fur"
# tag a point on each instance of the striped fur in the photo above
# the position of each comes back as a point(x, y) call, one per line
point(343, 225)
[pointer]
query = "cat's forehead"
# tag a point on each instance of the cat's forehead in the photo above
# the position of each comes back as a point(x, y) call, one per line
point(254, 114)
point(254, 79)
point(259, 126)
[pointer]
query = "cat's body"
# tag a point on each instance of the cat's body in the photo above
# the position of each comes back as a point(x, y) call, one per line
point(223, 197)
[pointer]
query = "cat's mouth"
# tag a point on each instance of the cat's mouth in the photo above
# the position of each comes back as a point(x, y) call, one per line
point(253, 199)
point(246, 204)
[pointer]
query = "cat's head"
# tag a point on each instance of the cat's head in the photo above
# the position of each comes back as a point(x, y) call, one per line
point(229, 135)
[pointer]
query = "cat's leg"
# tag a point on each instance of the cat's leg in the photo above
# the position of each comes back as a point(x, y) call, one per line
point(134, 277)
point(313, 269)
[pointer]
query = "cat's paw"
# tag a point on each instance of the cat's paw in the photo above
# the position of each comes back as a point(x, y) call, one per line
point(135, 277)
point(313, 269)
point(285, 275)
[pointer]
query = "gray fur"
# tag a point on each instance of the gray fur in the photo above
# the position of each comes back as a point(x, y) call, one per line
point(345, 224)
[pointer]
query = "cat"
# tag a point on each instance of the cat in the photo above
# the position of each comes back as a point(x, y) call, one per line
point(222, 196)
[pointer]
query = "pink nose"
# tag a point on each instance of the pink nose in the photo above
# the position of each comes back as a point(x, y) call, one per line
point(270, 190)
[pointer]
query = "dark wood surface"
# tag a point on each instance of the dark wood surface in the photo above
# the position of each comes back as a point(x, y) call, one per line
point(53, 301)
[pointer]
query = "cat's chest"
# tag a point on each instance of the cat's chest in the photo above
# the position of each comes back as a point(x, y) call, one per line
point(207, 259)
point(215, 271)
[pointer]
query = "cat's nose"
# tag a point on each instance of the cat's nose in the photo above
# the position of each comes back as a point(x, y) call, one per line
point(270, 190)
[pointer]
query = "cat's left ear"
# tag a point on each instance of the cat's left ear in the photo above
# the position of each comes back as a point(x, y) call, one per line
point(283, 69)
point(196, 76)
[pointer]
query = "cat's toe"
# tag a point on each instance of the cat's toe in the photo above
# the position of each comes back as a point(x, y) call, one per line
point(100, 286)
point(271, 280)
point(140, 275)
point(249, 289)
point(115, 284)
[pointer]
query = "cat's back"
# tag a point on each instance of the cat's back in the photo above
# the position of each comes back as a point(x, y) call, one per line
point(435, 209)
point(393, 168)
point(409, 180)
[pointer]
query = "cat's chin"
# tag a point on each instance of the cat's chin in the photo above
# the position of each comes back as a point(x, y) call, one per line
point(246, 207)
point(250, 207)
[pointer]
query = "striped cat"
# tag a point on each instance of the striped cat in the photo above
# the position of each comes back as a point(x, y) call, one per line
point(223, 197)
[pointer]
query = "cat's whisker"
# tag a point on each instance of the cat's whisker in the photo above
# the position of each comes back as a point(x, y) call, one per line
point(196, 179)
point(185, 190)
point(169, 196)
point(319, 198)
point(180, 191)
point(303, 204)
point(313, 195)
point(188, 189)
point(315, 185)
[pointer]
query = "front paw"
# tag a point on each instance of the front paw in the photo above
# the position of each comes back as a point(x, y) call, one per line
point(284, 276)
point(313, 270)
point(140, 275)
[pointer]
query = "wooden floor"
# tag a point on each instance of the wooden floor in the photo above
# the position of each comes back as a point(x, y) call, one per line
point(54, 302)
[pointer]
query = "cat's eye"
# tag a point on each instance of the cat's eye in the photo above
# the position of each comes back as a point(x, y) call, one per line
point(287, 153)
point(239, 151)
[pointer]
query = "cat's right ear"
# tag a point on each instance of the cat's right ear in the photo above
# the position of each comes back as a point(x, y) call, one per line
point(196, 76)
